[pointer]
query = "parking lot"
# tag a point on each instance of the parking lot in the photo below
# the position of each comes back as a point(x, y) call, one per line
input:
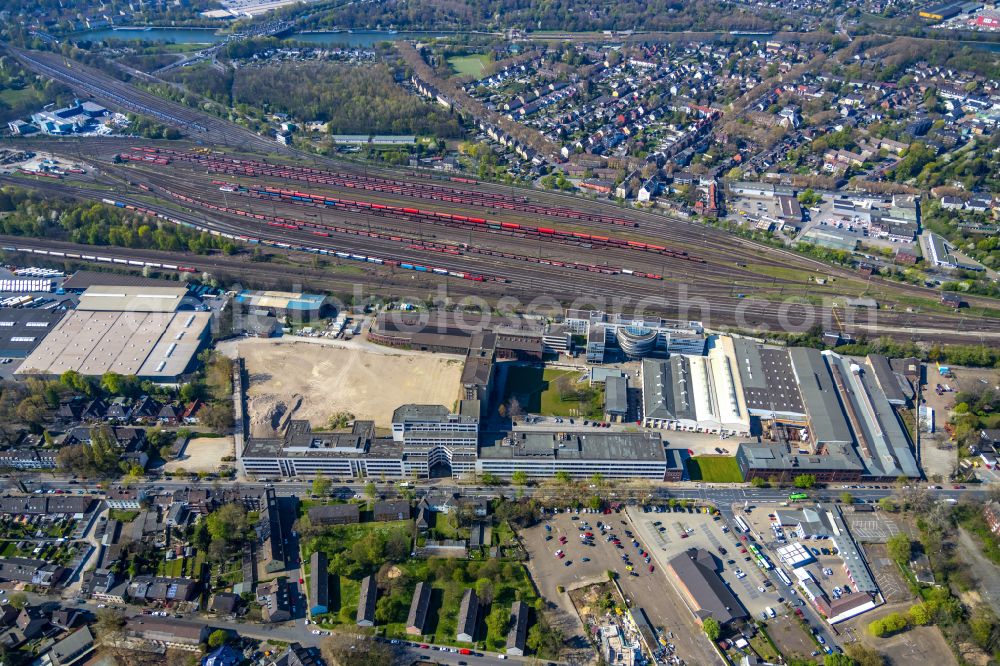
point(677, 532)
point(581, 563)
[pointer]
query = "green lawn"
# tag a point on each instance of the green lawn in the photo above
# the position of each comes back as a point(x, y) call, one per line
point(714, 469)
point(552, 392)
point(470, 65)
point(123, 515)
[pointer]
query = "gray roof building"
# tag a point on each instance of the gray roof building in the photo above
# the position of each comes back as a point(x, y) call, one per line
point(819, 396)
point(666, 389)
point(70, 650)
point(366, 602)
point(616, 396)
point(696, 574)
point(769, 383)
point(416, 621)
point(319, 584)
point(392, 510)
point(518, 632)
point(468, 614)
point(334, 514)
point(887, 379)
point(22, 329)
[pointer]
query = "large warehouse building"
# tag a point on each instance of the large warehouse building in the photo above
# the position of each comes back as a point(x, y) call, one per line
point(21, 330)
point(129, 330)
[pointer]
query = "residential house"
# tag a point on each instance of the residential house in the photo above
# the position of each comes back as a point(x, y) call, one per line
point(416, 621)
point(225, 603)
point(518, 633)
point(388, 510)
point(167, 631)
point(468, 614)
point(275, 601)
point(366, 602)
point(334, 514)
point(69, 650)
point(319, 584)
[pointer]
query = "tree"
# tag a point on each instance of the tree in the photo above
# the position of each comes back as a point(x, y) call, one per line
point(899, 548)
point(228, 523)
point(217, 638)
point(519, 478)
point(758, 482)
point(712, 628)
point(217, 415)
point(109, 622)
point(371, 492)
point(887, 504)
point(594, 502)
point(497, 621)
point(562, 476)
point(484, 590)
point(837, 659)
point(888, 625)
point(864, 655)
point(846, 497)
point(321, 486)
point(597, 479)
point(920, 614)
point(18, 600)
point(350, 650)
point(805, 481)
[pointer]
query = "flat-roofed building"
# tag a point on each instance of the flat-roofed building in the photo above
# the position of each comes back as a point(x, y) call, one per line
point(634, 336)
point(416, 621)
point(127, 330)
point(295, 305)
point(432, 436)
point(128, 298)
point(541, 454)
point(303, 452)
point(366, 602)
point(23, 329)
point(616, 399)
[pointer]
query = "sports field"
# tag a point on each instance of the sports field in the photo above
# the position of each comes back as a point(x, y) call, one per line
point(469, 65)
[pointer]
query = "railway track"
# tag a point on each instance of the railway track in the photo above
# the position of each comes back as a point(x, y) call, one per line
point(531, 280)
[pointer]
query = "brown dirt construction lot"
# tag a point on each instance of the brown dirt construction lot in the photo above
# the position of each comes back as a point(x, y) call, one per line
point(314, 382)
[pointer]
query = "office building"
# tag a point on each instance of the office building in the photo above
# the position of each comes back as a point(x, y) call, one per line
point(541, 454)
point(634, 337)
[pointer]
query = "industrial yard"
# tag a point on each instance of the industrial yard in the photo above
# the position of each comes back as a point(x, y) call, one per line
point(303, 380)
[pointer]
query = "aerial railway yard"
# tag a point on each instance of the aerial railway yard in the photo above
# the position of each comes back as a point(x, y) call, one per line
point(410, 230)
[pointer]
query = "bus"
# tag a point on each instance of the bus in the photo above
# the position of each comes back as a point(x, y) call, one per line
point(784, 577)
point(741, 524)
point(797, 496)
